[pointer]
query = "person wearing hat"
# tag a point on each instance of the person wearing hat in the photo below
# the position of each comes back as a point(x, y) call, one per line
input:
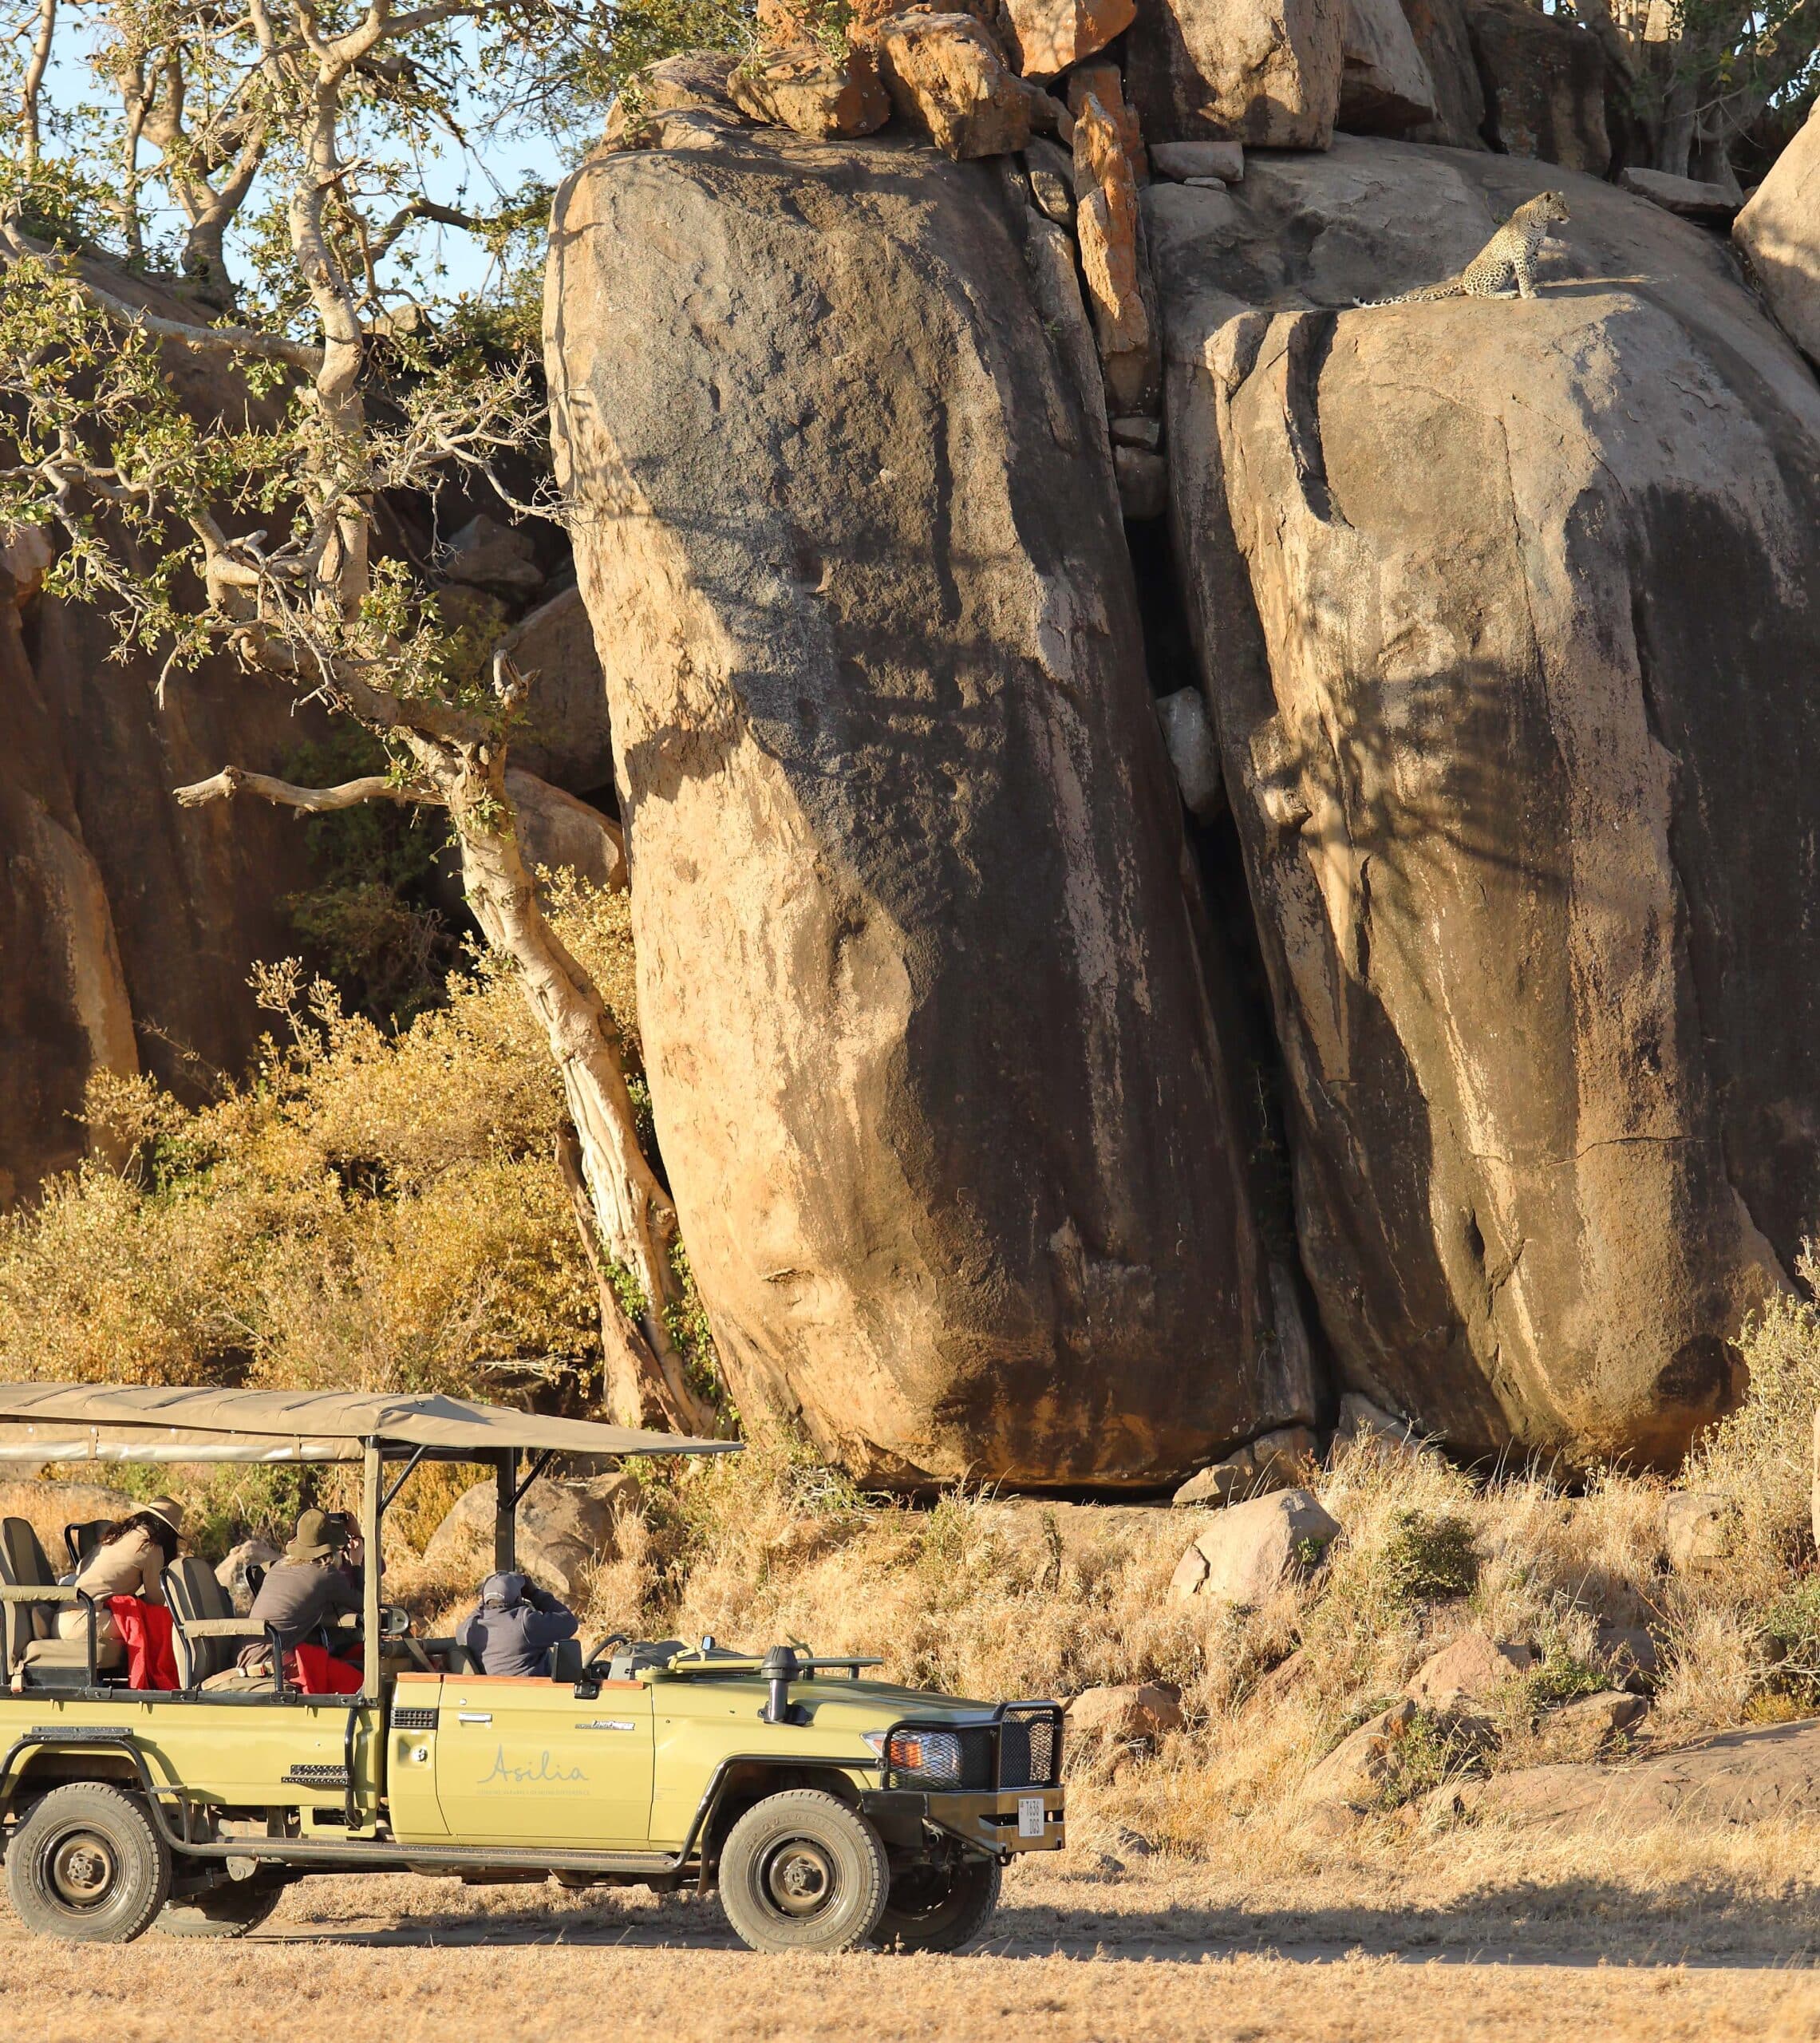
point(309, 1586)
point(130, 1560)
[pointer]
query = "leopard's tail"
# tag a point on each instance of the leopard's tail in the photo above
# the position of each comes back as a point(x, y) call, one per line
point(1452, 287)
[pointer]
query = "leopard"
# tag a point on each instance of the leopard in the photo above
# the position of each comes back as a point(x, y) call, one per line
point(1509, 257)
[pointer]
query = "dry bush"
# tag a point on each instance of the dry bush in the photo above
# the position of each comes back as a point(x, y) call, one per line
point(371, 1210)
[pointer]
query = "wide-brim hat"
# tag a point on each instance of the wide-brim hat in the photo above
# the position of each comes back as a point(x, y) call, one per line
point(169, 1510)
point(318, 1537)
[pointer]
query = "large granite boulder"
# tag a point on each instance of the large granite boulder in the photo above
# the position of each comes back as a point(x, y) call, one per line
point(1385, 88)
point(566, 737)
point(1445, 46)
point(127, 923)
point(1544, 85)
point(932, 1061)
point(1779, 232)
point(1507, 615)
point(1265, 73)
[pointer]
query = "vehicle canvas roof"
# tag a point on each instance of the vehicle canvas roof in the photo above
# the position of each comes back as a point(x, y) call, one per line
point(42, 1422)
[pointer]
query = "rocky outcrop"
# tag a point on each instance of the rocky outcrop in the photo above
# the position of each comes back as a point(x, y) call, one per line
point(1384, 84)
point(1742, 1777)
point(564, 1530)
point(1694, 199)
point(1469, 1671)
point(1544, 85)
point(1779, 233)
point(1507, 613)
point(893, 788)
point(806, 86)
point(127, 924)
point(566, 736)
point(948, 79)
point(1105, 227)
point(1050, 35)
point(1265, 73)
point(1445, 46)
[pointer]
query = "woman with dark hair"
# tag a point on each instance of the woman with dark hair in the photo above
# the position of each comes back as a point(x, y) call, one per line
point(129, 1561)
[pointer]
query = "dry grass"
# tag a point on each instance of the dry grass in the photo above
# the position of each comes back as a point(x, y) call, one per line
point(1667, 1955)
point(985, 1597)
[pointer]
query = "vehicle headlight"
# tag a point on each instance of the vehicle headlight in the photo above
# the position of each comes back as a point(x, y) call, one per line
point(931, 1755)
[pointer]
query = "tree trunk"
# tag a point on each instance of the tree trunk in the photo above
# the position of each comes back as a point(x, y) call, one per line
point(633, 1390)
point(632, 1213)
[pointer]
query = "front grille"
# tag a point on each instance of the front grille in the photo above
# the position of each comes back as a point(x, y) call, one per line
point(1022, 1749)
point(413, 1719)
point(317, 1776)
point(1030, 1749)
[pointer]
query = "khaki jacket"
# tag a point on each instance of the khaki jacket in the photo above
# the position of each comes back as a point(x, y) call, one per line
point(130, 1567)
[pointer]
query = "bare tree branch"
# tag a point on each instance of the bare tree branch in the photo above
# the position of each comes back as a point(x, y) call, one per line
point(314, 801)
point(204, 340)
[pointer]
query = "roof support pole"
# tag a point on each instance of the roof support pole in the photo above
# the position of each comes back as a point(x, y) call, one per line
point(372, 1470)
point(505, 1514)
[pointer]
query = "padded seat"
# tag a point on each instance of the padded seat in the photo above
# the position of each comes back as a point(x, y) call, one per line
point(207, 1633)
point(35, 1656)
point(80, 1539)
point(63, 1663)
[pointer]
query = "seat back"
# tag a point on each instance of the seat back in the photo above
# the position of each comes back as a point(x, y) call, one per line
point(193, 1592)
point(24, 1565)
point(81, 1540)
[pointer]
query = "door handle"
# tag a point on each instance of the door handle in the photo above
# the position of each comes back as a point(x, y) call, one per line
point(474, 1717)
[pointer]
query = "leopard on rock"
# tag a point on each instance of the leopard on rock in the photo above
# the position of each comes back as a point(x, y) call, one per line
point(1509, 257)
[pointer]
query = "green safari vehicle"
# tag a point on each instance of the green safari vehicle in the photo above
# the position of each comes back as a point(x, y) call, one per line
point(829, 1810)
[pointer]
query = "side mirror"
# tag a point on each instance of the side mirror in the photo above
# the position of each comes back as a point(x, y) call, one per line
point(587, 1688)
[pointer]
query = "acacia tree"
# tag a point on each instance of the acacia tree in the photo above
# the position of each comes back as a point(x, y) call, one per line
point(253, 534)
point(1698, 74)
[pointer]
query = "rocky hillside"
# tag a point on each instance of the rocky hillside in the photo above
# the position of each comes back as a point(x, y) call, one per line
point(1195, 842)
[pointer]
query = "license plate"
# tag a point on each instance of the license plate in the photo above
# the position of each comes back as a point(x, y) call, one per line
point(1029, 1815)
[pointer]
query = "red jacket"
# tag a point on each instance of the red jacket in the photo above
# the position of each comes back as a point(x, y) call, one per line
point(145, 1632)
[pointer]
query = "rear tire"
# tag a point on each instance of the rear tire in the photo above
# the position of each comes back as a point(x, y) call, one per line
point(228, 1911)
point(939, 1908)
point(87, 1865)
point(802, 1871)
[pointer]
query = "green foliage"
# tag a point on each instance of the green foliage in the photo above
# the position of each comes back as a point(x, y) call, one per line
point(686, 1322)
point(637, 33)
point(374, 922)
point(1761, 1455)
point(1791, 1634)
point(1428, 1557)
point(228, 1503)
point(1562, 1673)
point(1427, 1753)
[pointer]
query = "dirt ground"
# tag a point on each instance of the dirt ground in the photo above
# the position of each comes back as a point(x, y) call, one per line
point(1472, 1936)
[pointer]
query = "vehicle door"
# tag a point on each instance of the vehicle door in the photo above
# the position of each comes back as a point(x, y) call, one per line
point(528, 1761)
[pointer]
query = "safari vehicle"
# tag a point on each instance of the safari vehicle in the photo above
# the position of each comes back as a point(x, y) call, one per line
point(829, 1810)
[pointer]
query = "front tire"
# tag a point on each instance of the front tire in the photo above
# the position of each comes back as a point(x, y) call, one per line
point(941, 1908)
point(802, 1871)
point(87, 1865)
point(230, 1909)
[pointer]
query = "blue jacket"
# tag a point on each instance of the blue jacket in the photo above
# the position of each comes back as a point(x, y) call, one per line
point(516, 1625)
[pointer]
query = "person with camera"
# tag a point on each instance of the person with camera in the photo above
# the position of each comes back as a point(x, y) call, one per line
point(318, 1579)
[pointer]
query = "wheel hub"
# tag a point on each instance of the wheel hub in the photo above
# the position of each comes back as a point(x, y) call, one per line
point(799, 1879)
point(82, 1870)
